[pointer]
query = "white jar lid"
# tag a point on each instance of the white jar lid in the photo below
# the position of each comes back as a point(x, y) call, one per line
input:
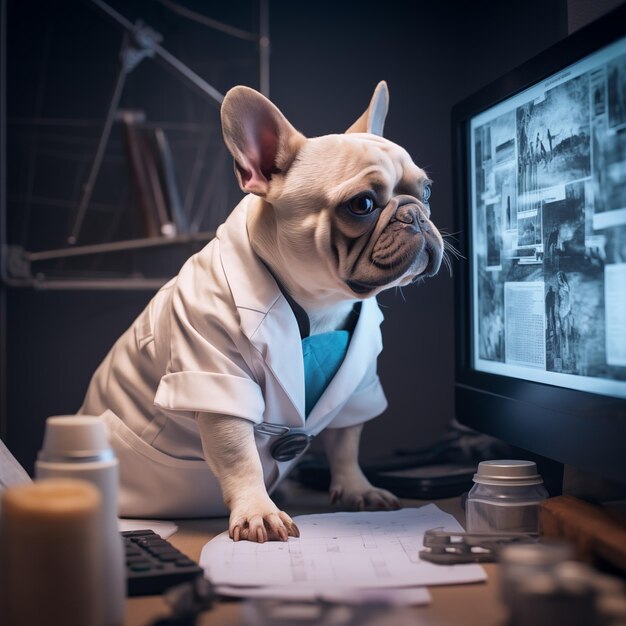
point(507, 472)
point(75, 438)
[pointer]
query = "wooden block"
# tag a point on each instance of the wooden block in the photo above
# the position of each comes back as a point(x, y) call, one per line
point(598, 537)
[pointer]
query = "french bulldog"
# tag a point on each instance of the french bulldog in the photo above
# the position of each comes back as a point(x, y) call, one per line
point(336, 219)
point(200, 389)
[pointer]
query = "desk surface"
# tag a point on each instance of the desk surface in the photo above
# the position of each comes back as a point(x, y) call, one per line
point(452, 605)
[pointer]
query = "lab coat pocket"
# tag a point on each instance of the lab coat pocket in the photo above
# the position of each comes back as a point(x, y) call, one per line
point(120, 431)
point(156, 485)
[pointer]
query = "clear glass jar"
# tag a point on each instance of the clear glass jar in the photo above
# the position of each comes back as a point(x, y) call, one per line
point(505, 497)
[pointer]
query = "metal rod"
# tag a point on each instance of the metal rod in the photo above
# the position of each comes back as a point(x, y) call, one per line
point(120, 284)
point(3, 223)
point(264, 48)
point(205, 20)
point(112, 13)
point(97, 161)
point(3, 141)
point(117, 246)
point(185, 72)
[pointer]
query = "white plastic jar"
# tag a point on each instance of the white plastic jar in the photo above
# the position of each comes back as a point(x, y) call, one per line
point(505, 497)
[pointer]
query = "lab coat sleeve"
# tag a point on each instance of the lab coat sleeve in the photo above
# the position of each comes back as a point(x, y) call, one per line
point(207, 370)
point(367, 401)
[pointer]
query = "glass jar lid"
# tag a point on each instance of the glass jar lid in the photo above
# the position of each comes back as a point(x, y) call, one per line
point(507, 472)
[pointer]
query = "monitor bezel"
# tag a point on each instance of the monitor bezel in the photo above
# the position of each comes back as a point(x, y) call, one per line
point(581, 429)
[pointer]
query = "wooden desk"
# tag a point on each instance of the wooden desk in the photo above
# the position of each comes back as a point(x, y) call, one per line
point(452, 605)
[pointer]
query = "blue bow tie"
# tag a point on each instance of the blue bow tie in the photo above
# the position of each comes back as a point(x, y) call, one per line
point(323, 355)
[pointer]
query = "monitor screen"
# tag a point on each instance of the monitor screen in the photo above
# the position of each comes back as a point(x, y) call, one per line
point(540, 207)
point(548, 228)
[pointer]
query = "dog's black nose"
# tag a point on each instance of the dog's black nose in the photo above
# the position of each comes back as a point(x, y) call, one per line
point(406, 214)
point(411, 214)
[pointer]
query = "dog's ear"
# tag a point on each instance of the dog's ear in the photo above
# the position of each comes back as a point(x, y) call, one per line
point(261, 140)
point(373, 120)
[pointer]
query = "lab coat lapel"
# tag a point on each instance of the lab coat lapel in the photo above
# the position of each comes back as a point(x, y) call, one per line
point(266, 318)
point(365, 345)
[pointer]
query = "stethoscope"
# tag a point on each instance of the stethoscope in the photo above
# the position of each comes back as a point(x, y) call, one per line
point(290, 443)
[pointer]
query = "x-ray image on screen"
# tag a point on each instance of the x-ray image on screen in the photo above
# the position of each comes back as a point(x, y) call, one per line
point(548, 195)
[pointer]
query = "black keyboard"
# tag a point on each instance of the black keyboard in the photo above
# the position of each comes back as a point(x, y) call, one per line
point(153, 564)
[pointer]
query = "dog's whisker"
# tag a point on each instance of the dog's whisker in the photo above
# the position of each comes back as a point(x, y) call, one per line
point(446, 241)
point(446, 237)
point(448, 247)
point(444, 233)
point(448, 263)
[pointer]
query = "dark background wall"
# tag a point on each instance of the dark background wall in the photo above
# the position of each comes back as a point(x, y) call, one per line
point(432, 54)
point(326, 58)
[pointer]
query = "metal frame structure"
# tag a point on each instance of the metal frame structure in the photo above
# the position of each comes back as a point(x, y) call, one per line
point(140, 42)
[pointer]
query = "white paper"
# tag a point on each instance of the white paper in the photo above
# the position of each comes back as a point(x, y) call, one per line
point(163, 529)
point(389, 596)
point(615, 299)
point(11, 472)
point(339, 551)
point(524, 324)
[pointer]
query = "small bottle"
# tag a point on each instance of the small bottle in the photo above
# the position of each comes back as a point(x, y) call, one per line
point(505, 497)
point(77, 446)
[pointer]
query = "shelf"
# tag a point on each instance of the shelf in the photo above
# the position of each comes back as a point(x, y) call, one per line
point(117, 246)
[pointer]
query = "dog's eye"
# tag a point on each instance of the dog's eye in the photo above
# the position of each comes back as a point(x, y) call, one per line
point(361, 205)
point(426, 194)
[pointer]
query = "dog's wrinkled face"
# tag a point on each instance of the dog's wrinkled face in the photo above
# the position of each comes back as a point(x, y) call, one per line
point(347, 214)
point(371, 224)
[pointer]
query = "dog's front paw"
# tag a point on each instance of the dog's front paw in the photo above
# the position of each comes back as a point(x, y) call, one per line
point(260, 522)
point(363, 497)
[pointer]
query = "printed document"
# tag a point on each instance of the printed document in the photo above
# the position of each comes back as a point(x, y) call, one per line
point(337, 552)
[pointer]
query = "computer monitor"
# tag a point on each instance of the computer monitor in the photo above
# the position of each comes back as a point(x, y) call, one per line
point(540, 206)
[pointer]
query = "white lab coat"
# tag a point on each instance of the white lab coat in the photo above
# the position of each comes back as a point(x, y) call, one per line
point(218, 338)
